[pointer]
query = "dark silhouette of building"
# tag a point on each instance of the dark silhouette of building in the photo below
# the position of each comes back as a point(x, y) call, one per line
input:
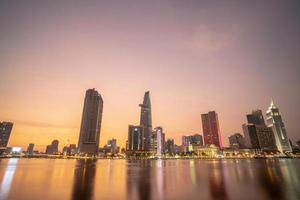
point(5, 131)
point(237, 141)
point(52, 148)
point(211, 129)
point(146, 121)
point(30, 149)
point(169, 147)
point(91, 123)
point(251, 136)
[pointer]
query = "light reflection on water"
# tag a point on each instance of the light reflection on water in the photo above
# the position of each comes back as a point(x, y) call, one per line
point(149, 179)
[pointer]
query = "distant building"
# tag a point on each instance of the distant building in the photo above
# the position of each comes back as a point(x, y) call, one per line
point(211, 151)
point(135, 138)
point(30, 149)
point(192, 139)
point(237, 141)
point(211, 129)
point(52, 148)
point(170, 147)
point(146, 121)
point(91, 123)
point(274, 120)
point(5, 131)
point(158, 140)
point(298, 143)
point(70, 150)
point(111, 147)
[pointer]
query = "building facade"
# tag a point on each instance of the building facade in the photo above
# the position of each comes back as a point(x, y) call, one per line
point(211, 129)
point(146, 121)
point(237, 141)
point(135, 138)
point(274, 121)
point(89, 137)
point(5, 131)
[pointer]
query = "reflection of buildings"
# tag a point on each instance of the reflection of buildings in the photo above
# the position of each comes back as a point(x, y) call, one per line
point(217, 181)
point(84, 178)
point(274, 121)
point(8, 178)
point(271, 179)
point(139, 180)
point(90, 123)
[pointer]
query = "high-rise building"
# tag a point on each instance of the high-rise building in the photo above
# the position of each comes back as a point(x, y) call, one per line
point(274, 120)
point(211, 129)
point(5, 131)
point(135, 138)
point(91, 123)
point(146, 121)
point(251, 136)
point(158, 141)
point(257, 134)
point(266, 138)
point(256, 118)
point(30, 149)
point(237, 141)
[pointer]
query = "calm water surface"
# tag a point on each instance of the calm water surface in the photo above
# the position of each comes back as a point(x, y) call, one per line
point(47, 179)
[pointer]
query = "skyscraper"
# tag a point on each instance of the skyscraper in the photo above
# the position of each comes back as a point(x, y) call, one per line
point(251, 136)
point(135, 138)
point(52, 148)
point(274, 121)
point(211, 129)
point(257, 134)
point(158, 141)
point(5, 131)
point(256, 117)
point(91, 123)
point(146, 121)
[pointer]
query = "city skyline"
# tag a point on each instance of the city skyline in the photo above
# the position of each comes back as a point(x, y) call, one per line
point(193, 57)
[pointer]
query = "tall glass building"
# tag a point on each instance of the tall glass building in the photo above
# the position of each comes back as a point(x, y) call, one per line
point(274, 121)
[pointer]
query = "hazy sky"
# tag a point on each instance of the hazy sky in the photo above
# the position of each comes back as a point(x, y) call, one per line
point(193, 56)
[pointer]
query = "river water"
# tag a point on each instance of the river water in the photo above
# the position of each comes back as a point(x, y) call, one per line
point(52, 179)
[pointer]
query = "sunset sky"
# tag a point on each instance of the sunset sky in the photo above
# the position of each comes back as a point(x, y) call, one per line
point(193, 57)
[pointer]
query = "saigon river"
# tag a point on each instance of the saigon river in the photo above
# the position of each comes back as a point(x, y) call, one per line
point(247, 179)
